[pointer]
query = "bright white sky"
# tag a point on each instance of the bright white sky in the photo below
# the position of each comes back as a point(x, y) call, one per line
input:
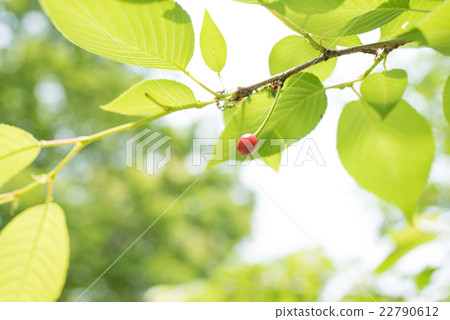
point(323, 200)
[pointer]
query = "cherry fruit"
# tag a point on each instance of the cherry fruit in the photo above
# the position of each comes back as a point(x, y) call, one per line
point(247, 144)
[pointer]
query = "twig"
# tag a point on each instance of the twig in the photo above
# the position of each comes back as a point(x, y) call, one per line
point(381, 57)
point(240, 93)
point(387, 46)
point(49, 177)
point(79, 143)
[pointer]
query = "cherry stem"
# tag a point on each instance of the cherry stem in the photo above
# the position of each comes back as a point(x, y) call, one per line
point(270, 111)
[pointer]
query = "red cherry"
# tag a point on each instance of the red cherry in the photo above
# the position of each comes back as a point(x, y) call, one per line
point(247, 144)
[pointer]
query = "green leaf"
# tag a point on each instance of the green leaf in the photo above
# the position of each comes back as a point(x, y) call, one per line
point(408, 19)
point(250, 1)
point(228, 113)
point(405, 241)
point(423, 279)
point(434, 30)
point(391, 157)
point(446, 99)
point(273, 160)
point(212, 45)
point(150, 34)
point(34, 255)
point(344, 41)
point(294, 50)
point(336, 18)
point(164, 96)
point(348, 41)
point(18, 149)
point(384, 90)
point(300, 108)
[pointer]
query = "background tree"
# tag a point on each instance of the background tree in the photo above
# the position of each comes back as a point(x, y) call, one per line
point(51, 89)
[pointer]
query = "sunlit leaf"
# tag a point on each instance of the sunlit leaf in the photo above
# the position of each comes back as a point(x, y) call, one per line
point(34, 255)
point(408, 19)
point(163, 95)
point(336, 18)
point(273, 160)
point(18, 149)
point(228, 113)
point(294, 50)
point(446, 100)
point(434, 30)
point(391, 157)
point(345, 41)
point(405, 241)
point(212, 44)
point(151, 34)
point(251, 1)
point(348, 41)
point(300, 108)
point(423, 278)
point(384, 90)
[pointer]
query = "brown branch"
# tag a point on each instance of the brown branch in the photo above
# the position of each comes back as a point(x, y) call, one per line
point(387, 46)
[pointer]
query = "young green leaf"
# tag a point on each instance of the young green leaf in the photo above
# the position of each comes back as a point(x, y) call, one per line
point(300, 108)
point(384, 90)
point(150, 34)
point(446, 100)
point(391, 157)
point(405, 241)
point(408, 19)
point(153, 97)
point(273, 160)
point(34, 255)
point(212, 45)
point(250, 1)
point(434, 30)
point(423, 278)
point(348, 41)
point(228, 114)
point(336, 18)
point(18, 149)
point(294, 50)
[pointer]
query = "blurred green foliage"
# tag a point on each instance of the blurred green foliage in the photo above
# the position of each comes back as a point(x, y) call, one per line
point(53, 89)
point(298, 277)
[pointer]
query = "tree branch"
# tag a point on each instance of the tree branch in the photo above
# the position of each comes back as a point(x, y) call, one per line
point(387, 46)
